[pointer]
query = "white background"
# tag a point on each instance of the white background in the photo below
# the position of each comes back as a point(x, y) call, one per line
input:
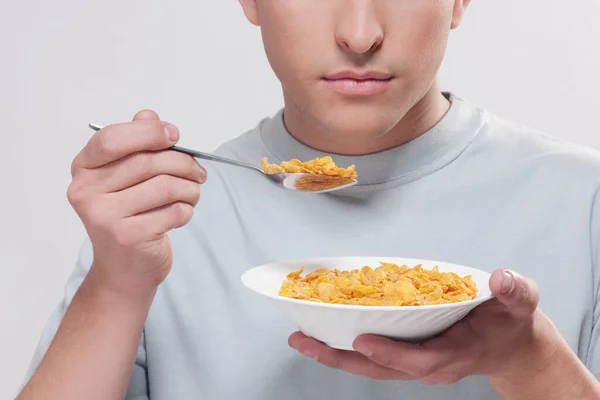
point(202, 66)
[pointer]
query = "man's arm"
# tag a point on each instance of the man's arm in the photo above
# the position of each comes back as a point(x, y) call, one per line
point(94, 350)
point(129, 192)
point(563, 375)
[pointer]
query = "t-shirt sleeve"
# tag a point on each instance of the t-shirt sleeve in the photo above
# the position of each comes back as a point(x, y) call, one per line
point(138, 384)
point(593, 355)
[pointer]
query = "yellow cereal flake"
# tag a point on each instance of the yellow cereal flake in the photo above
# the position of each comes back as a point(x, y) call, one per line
point(318, 166)
point(386, 285)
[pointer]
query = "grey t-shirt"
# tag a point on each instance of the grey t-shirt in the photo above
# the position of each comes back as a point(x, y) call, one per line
point(474, 190)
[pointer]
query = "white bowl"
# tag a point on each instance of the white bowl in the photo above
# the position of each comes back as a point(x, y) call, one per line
point(337, 325)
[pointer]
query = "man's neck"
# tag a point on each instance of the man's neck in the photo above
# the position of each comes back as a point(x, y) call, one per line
point(419, 119)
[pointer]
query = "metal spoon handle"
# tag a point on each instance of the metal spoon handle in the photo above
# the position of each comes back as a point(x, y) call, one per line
point(198, 154)
point(212, 157)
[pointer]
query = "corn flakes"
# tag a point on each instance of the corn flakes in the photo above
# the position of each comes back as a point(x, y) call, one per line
point(318, 166)
point(320, 182)
point(386, 285)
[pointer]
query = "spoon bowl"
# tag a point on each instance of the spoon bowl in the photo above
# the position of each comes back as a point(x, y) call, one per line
point(310, 183)
point(313, 183)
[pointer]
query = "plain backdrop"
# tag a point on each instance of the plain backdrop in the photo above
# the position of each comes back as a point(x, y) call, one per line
point(202, 66)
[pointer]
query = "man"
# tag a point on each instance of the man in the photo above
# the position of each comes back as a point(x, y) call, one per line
point(439, 179)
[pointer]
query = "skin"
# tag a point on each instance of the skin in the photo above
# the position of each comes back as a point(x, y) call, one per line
point(129, 193)
point(406, 39)
point(508, 339)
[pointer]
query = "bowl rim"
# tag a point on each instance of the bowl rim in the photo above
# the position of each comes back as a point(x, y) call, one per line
point(462, 304)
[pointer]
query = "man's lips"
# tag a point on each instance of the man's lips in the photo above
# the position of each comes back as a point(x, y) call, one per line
point(351, 83)
point(359, 76)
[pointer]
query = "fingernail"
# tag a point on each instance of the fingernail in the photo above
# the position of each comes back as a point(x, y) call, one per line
point(508, 282)
point(172, 133)
point(363, 349)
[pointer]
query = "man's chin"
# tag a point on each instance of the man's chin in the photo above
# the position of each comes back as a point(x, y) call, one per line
point(359, 125)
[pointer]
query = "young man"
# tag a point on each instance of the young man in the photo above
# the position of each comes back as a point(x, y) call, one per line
point(439, 179)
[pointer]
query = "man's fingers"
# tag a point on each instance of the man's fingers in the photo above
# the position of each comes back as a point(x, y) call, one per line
point(348, 361)
point(142, 166)
point(143, 115)
point(155, 222)
point(156, 192)
point(419, 361)
point(295, 339)
point(518, 293)
point(146, 115)
point(117, 141)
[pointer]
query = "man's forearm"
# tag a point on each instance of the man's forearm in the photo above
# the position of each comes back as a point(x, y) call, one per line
point(94, 350)
point(565, 377)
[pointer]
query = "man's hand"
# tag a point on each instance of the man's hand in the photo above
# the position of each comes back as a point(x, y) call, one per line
point(129, 192)
point(503, 338)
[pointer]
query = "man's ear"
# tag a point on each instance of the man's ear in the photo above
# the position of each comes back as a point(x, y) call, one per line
point(251, 10)
point(460, 7)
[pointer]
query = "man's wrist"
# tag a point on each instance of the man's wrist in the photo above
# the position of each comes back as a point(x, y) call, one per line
point(539, 366)
point(547, 370)
point(536, 352)
point(96, 284)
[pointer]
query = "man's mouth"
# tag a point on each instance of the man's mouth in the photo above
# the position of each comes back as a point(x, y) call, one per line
point(358, 83)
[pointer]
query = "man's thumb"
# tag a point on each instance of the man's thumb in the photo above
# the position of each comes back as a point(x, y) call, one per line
point(145, 115)
point(518, 293)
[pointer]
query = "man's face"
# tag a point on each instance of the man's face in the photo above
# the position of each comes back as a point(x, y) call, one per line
point(354, 68)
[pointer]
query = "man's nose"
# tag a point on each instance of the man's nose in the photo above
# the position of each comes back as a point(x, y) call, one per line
point(358, 27)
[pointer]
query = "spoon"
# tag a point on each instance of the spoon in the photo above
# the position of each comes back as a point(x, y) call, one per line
point(312, 183)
